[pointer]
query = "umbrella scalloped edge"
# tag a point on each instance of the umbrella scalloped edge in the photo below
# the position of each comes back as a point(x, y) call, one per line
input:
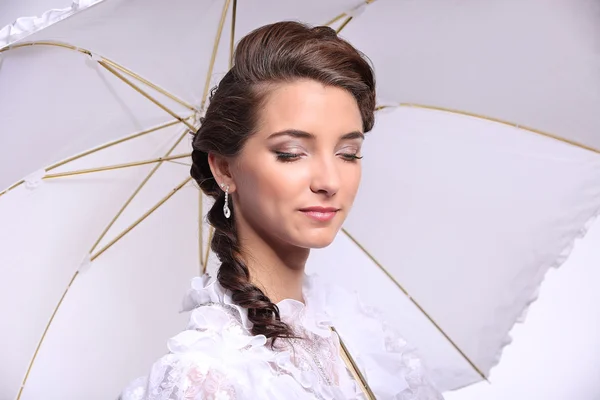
point(558, 262)
point(25, 26)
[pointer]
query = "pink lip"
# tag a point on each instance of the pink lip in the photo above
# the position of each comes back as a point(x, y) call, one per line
point(322, 214)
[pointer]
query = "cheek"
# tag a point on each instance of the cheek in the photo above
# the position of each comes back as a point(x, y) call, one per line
point(352, 181)
point(353, 177)
point(271, 182)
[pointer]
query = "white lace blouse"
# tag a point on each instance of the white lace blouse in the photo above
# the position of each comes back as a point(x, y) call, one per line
point(217, 358)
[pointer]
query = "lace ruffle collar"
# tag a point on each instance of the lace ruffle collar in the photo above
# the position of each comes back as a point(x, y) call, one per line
point(311, 314)
point(390, 365)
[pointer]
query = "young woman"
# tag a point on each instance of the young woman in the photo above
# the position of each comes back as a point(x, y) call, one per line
point(279, 150)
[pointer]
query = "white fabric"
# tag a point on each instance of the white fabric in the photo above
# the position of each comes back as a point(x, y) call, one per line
point(24, 26)
point(218, 358)
point(10, 11)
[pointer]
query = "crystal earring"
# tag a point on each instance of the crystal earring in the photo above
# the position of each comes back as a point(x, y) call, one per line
point(226, 210)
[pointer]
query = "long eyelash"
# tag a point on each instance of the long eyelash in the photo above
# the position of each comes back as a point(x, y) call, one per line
point(351, 157)
point(287, 157)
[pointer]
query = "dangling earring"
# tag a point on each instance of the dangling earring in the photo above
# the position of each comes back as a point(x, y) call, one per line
point(226, 210)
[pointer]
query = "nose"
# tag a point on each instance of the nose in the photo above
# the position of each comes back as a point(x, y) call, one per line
point(325, 176)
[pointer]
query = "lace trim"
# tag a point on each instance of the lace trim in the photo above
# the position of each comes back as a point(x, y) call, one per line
point(218, 345)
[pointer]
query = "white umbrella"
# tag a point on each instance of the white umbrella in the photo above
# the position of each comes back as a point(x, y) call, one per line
point(464, 213)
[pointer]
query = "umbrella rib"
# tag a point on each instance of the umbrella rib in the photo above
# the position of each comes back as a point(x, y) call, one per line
point(139, 188)
point(346, 21)
point(498, 120)
point(215, 50)
point(95, 150)
point(145, 94)
point(435, 324)
point(114, 143)
point(117, 166)
point(200, 232)
point(136, 191)
point(37, 349)
point(349, 16)
point(232, 38)
point(114, 68)
point(353, 368)
point(140, 219)
point(108, 61)
point(203, 261)
point(211, 232)
point(150, 84)
point(336, 19)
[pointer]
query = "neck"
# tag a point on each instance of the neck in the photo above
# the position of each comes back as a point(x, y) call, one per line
point(278, 270)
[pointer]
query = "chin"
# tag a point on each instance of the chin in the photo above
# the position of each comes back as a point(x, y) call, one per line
point(318, 240)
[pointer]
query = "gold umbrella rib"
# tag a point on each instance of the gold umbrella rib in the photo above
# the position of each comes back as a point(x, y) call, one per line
point(150, 84)
point(232, 38)
point(346, 22)
point(115, 142)
point(348, 17)
point(117, 166)
point(211, 232)
point(97, 149)
point(353, 368)
point(435, 324)
point(334, 20)
point(146, 95)
point(203, 261)
point(137, 191)
point(140, 219)
point(201, 232)
point(37, 349)
point(213, 56)
point(498, 120)
point(108, 61)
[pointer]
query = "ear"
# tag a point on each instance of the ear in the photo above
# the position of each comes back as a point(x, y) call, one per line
point(219, 166)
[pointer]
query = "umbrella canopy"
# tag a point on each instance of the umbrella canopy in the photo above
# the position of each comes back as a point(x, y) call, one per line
point(458, 218)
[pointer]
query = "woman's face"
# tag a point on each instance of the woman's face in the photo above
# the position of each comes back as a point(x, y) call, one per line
point(296, 178)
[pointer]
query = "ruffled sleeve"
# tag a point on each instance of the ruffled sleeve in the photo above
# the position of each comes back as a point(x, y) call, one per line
point(215, 358)
point(204, 361)
point(392, 368)
point(182, 377)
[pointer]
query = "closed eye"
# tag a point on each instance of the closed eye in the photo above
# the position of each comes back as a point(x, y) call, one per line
point(350, 157)
point(287, 157)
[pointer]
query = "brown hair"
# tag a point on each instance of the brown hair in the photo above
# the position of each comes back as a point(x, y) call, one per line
point(277, 53)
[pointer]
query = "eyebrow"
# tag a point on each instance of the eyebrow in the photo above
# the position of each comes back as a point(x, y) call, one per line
point(306, 135)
